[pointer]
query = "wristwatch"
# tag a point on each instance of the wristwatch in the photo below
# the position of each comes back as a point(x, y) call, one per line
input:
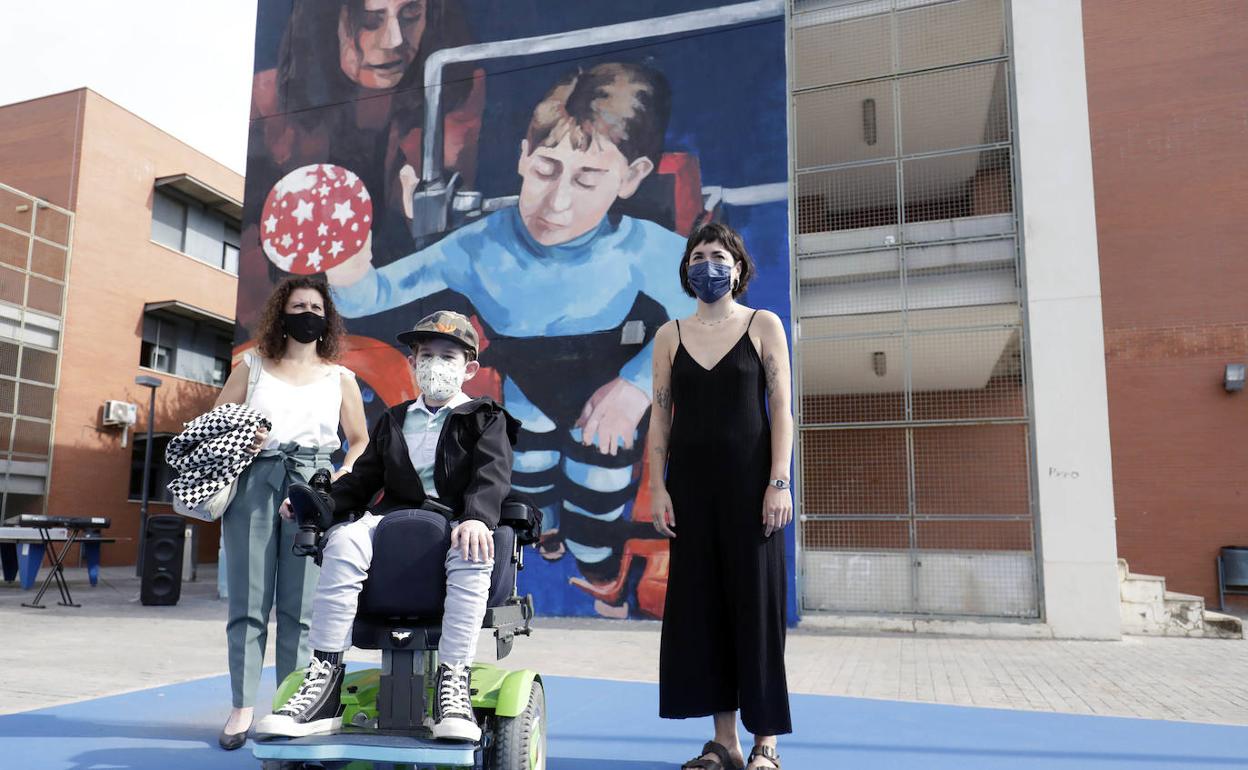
point(778, 484)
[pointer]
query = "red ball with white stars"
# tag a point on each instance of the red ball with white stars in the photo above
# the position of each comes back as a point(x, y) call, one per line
point(316, 217)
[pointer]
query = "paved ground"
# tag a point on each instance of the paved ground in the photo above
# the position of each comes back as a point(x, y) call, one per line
point(596, 724)
point(113, 644)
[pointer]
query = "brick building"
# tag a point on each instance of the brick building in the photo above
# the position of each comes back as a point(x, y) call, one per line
point(125, 242)
point(1169, 124)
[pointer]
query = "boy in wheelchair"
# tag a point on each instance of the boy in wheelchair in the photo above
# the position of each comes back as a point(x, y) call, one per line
point(442, 445)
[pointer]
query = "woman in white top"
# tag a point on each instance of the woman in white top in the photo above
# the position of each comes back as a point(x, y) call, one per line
point(307, 397)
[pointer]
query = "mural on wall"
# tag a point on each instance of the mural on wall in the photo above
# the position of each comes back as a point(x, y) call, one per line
point(537, 165)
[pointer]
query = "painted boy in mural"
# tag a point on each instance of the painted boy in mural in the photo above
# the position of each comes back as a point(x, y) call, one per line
point(570, 296)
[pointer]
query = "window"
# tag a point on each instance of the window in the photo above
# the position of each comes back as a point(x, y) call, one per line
point(220, 371)
point(187, 226)
point(168, 221)
point(158, 357)
point(161, 474)
point(185, 346)
point(230, 249)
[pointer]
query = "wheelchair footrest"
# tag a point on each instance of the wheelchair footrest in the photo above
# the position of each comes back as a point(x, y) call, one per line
point(365, 747)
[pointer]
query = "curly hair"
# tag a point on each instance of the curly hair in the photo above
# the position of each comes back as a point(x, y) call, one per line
point(271, 337)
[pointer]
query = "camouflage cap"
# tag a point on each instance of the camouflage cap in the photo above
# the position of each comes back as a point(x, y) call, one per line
point(445, 324)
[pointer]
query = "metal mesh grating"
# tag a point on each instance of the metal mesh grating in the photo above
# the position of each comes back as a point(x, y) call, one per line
point(31, 438)
point(35, 401)
point(48, 260)
point(8, 359)
point(915, 491)
point(45, 296)
point(848, 198)
point(38, 365)
point(14, 247)
point(7, 390)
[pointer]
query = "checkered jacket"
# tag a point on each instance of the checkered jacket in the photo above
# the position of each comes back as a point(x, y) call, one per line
point(212, 451)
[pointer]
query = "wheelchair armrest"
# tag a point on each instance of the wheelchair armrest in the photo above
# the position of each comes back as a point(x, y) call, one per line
point(519, 513)
point(433, 505)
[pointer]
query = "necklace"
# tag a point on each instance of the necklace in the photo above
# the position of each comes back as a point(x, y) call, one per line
point(731, 313)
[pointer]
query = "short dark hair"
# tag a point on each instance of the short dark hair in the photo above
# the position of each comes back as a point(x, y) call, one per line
point(731, 240)
point(469, 354)
point(626, 104)
point(270, 335)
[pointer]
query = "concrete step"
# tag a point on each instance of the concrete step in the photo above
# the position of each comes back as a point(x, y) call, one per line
point(1149, 609)
point(1220, 626)
point(1184, 612)
point(1143, 589)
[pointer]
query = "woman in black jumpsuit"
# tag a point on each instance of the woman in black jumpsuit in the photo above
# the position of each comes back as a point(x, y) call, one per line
point(725, 502)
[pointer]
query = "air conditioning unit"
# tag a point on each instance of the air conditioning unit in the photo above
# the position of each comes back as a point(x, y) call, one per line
point(120, 413)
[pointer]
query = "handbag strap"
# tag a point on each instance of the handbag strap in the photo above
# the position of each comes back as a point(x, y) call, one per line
point(254, 364)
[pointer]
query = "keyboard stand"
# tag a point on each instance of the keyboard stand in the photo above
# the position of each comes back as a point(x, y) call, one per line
point(57, 572)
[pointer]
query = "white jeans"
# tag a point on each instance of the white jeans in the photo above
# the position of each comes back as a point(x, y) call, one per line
point(348, 554)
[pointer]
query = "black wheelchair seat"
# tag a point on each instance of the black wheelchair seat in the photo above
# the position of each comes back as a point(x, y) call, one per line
point(406, 583)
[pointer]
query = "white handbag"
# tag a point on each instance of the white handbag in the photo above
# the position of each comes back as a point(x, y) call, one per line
point(214, 507)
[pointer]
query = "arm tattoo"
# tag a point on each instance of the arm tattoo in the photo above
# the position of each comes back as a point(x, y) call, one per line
point(660, 452)
point(663, 397)
point(772, 371)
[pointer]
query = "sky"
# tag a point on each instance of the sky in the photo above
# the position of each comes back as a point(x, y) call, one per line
point(182, 65)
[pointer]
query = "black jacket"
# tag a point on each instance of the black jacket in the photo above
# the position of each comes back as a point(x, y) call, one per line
point(472, 465)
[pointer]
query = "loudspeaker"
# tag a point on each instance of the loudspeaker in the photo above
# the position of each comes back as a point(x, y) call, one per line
point(162, 560)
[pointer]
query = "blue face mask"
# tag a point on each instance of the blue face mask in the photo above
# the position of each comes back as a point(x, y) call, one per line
point(710, 280)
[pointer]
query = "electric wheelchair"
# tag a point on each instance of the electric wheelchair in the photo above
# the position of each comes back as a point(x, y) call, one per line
point(386, 711)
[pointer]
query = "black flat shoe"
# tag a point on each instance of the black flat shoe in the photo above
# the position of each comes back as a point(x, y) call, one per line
point(231, 741)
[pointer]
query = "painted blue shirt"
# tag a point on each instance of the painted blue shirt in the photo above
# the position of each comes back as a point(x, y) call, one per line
point(524, 289)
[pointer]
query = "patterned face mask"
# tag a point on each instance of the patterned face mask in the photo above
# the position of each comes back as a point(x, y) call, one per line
point(440, 379)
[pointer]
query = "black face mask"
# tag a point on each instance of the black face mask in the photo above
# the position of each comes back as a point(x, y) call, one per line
point(304, 327)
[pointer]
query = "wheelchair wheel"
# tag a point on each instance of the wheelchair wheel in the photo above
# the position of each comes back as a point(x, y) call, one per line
point(520, 741)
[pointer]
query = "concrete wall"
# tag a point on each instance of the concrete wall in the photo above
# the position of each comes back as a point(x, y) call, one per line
point(115, 269)
point(1072, 451)
point(1169, 125)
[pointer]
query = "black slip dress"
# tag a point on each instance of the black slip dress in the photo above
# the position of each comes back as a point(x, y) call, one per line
point(723, 624)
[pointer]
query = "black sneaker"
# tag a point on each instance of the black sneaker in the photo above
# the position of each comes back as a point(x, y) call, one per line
point(314, 709)
point(452, 706)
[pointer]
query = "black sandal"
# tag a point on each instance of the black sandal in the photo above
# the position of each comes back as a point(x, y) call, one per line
point(722, 761)
point(766, 752)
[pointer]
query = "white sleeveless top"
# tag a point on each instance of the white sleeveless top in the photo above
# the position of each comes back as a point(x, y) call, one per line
point(304, 414)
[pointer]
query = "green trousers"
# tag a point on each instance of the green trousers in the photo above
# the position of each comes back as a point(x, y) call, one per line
point(260, 568)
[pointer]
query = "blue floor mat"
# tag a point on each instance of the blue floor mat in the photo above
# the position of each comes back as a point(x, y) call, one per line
point(605, 725)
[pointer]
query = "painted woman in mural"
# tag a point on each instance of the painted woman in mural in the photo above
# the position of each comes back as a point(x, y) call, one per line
point(570, 297)
point(347, 90)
